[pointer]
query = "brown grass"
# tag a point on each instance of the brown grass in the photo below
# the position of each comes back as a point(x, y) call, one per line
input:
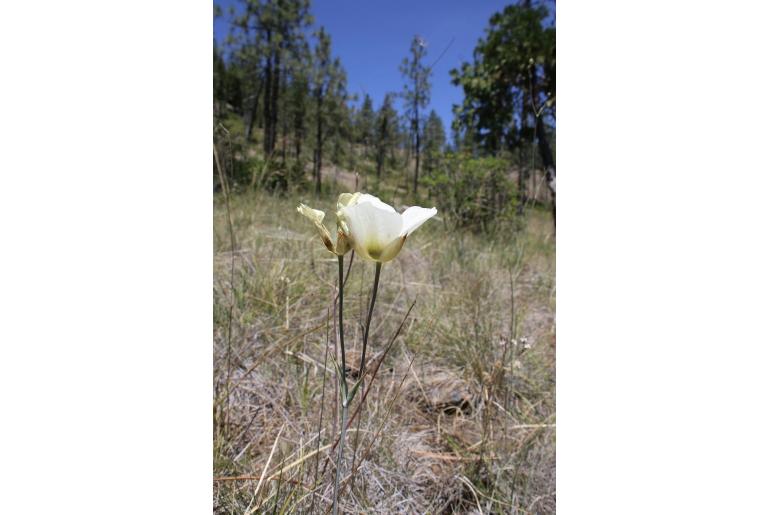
point(461, 414)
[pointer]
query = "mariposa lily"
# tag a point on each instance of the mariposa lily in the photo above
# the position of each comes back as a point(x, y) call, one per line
point(342, 246)
point(377, 232)
point(375, 229)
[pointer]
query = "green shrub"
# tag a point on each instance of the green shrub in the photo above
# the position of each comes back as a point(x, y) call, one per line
point(473, 192)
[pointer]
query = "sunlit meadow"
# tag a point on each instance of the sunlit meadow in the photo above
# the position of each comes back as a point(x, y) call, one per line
point(459, 409)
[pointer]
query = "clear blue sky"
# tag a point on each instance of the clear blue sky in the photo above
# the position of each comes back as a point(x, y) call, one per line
point(372, 37)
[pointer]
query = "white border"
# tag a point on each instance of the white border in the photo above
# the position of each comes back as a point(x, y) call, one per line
point(662, 258)
point(106, 263)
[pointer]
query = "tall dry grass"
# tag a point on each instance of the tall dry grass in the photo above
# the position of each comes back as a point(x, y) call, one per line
point(460, 417)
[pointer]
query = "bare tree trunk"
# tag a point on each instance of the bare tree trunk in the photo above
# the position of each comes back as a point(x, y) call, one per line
point(380, 159)
point(416, 138)
point(408, 151)
point(253, 112)
point(550, 166)
point(319, 140)
point(284, 118)
point(252, 117)
point(543, 145)
point(268, 117)
point(522, 158)
point(299, 132)
point(416, 160)
point(544, 148)
point(274, 100)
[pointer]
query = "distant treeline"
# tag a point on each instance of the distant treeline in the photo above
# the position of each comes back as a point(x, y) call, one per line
point(282, 99)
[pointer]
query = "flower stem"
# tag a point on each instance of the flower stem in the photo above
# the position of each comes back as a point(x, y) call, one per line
point(344, 381)
point(377, 269)
point(339, 455)
point(340, 261)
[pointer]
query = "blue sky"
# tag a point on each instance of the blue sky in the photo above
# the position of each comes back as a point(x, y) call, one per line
point(372, 37)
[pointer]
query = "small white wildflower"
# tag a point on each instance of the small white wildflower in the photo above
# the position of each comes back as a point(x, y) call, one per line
point(376, 230)
point(342, 245)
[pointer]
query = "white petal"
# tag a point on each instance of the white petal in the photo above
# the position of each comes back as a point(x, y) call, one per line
point(371, 226)
point(346, 199)
point(392, 250)
point(414, 217)
point(317, 216)
point(371, 199)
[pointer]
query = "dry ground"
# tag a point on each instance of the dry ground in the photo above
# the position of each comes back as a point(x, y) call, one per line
point(460, 417)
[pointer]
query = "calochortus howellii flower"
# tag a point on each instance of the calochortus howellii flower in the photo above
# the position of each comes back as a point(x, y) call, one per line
point(342, 246)
point(377, 232)
point(375, 229)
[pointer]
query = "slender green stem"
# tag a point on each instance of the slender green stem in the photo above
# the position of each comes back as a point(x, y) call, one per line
point(321, 415)
point(343, 380)
point(345, 398)
point(377, 269)
point(339, 455)
point(340, 261)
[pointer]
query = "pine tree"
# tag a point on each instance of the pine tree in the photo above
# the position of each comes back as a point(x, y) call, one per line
point(510, 87)
point(416, 94)
point(330, 95)
point(435, 140)
point(385, 133)
point(298, 104)
point(269, 35)
point(365, 124)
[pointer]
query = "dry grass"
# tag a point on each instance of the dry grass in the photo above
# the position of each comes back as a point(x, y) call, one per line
point(461, 415)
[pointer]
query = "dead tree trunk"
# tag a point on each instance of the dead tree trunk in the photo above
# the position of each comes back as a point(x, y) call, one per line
point(274, 100)
point(252, 119)
point(317, 154)
point(298, 144)
point(416, 125)
point(544, 146)
point(522, 184)
point(268, 117)
point(284, 119)
point(548, 162)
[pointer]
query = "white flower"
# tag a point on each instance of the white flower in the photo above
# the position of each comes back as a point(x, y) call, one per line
point(317, 216)
point(376, 230)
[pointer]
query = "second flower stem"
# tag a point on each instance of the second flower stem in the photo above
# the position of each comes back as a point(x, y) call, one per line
point(378, 267)
point(345, 398)
point(343, 386)
point(341, 261)
point(338, 473)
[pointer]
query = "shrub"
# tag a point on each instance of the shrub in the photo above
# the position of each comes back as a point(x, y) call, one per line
point(473, 192)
